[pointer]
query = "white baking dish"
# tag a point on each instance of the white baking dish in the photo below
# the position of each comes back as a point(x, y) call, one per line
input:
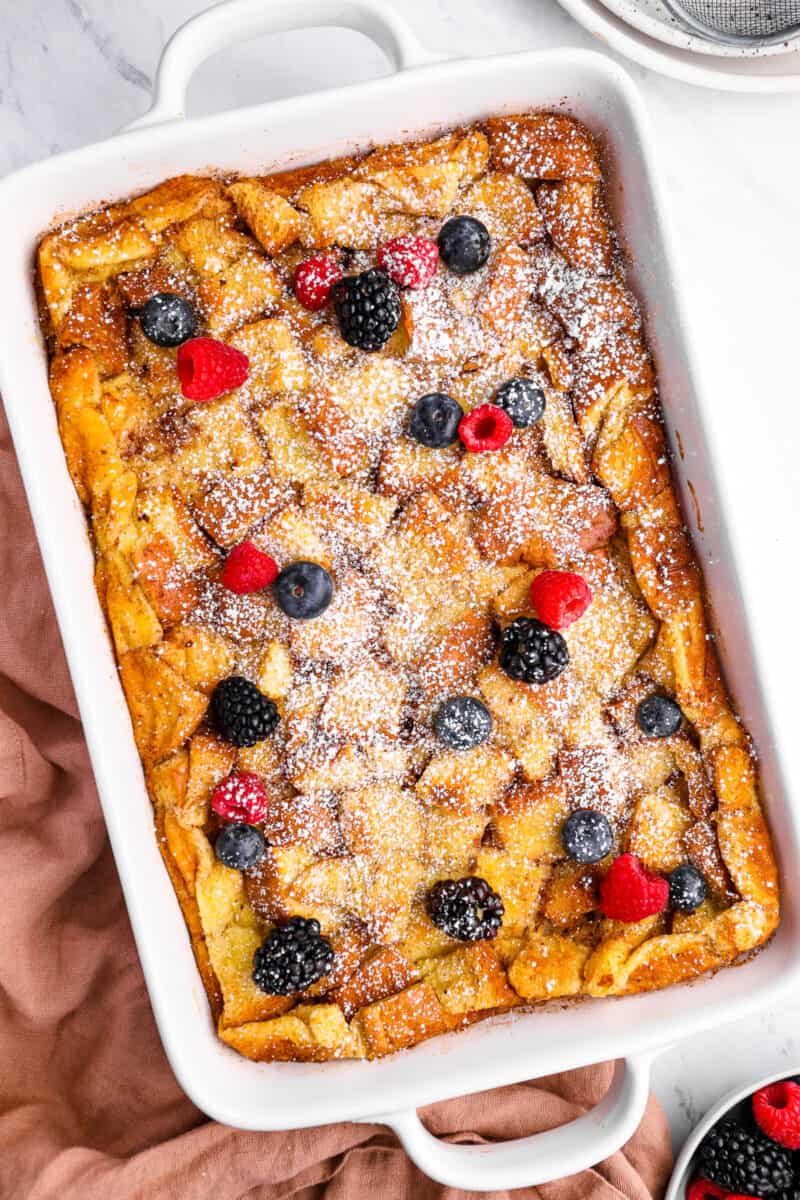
point(422, 95)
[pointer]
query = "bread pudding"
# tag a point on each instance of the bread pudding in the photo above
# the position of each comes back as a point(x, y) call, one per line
point(409, 625)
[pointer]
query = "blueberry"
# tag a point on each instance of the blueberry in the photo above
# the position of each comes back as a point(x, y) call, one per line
point(239, 846)
point(687, 888)
point(434, 420)
point(523, 401)
point(462, 722)
point(587, 836)
point(167, 319)
point(464, 244)
point(658, 716)
point(303, 590)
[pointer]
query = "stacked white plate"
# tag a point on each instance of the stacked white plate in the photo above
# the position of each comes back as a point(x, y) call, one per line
point(645, 31)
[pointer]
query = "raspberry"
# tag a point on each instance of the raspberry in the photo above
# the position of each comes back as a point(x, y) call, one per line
point(208, 368)
point(410, 261)
point(241, 797)
point(314, 279)
point(487, 427)
point(629, 893)
point(704, 1189)
point(248, 569)
point(776, 1109)
point(560, 597)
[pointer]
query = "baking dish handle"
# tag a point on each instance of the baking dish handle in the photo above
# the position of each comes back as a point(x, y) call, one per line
point(239, 20)
point(541, 1157)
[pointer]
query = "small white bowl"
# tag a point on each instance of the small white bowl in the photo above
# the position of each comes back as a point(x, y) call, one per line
point(684, 1163)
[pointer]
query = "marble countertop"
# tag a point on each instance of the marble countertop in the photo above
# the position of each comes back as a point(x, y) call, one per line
point(73, 71)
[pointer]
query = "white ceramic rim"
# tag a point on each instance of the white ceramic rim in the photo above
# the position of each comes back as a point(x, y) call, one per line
point(683, 1169)
point(668, 29)
point(662, 1017)
point(764, 74)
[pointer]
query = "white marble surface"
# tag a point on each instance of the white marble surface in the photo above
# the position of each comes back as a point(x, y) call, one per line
point(73, 71)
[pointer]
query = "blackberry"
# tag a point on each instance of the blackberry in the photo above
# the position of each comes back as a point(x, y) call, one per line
point(241, 713)
point(743, 1161)
point(532, 651)
point(292, 957)
point(467, 909)
point(368, 308)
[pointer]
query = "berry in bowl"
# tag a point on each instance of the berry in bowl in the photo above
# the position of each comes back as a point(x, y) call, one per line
point(746, 1147)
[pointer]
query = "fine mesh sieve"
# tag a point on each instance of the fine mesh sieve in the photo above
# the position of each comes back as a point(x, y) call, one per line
point(742, 22)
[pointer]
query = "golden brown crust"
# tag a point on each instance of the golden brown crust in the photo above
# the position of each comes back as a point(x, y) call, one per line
point(430, 550)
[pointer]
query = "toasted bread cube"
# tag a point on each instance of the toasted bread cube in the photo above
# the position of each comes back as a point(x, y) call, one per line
point(657, 829)
point(548, 966)
point(272, 219)
point(352, 514)
point(209, 245)
point(451, 667)
point(542, 146)
point(232, 505)
point(354, 766)
point(515, 598)
point(178, 199)
point(309, 1033)
point(570, 895)
point(275, 671)
point(198, 654)
point(239, 293)
point(388, 887)
point(576, 220)
point(231, 953)
point(520, 723)
point(517, 880)
point(341, 443)
point(407, 467)
point(451, 841)
point(529, 818)
point(347, 626)
point(309, 820)
point(343, 212)
point(505, 296)
point(276, 890)
point(371, 394)
point(383, 972)
point(401, 1020)
point(210, 439)
point(277, 362)
point(506, 206)
point(469, 979)
point(294, 456)
point(365, 701)
point(133, 619)
point(96, 320)
point(289, 536)
point(466, 780)
point(378, 820)
point(164, 709)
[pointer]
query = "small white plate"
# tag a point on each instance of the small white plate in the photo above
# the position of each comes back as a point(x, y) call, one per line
point(763, 73)
point(654, 19)
point(684, 1168)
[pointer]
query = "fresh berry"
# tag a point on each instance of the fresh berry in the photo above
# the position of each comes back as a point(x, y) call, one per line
point(241, 796)
point(248, 569)
point(532, 652)
point(303, 590)
point(776, 1109)
point(410, 261)
point(560, 597)
point(462, 722)
point(704, 1189)
point(292, 957)
point(314, 279)
point(630, 893)
point(658, 716)
point(522, 400)
point(687, 888)
point(434, 420)
point(587, 836)
point(745, 1161)
point(167, 319)
point(464, 244)
point(241, 713)
point(208, 368)
point(239, 846)
point(368, 308)
point(467, 909)
point(486, 427)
